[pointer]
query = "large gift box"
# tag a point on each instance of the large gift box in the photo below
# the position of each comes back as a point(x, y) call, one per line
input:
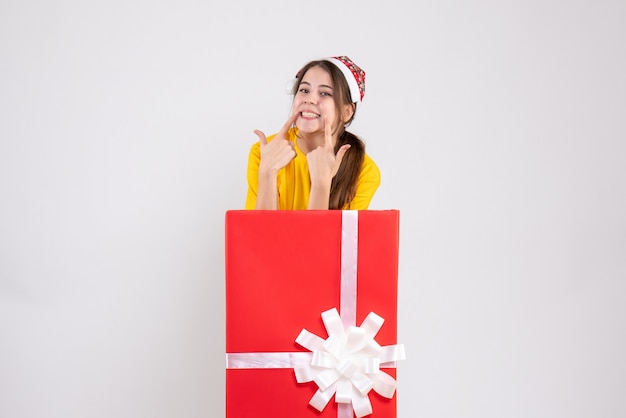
point(311, 313)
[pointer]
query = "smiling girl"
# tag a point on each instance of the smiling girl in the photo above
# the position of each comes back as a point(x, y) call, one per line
point(312, 162)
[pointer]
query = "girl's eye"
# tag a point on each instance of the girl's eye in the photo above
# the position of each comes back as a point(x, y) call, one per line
point(325, 93)
point(303, 90)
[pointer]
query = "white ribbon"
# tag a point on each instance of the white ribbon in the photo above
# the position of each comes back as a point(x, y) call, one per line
point(346, 364)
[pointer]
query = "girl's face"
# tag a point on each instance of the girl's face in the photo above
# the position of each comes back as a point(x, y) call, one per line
point(315, 102)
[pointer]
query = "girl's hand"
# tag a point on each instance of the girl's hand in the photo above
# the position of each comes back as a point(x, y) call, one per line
point(279, 151)
point(322, 161)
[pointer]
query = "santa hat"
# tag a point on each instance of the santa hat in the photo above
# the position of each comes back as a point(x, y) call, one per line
point(353, 74)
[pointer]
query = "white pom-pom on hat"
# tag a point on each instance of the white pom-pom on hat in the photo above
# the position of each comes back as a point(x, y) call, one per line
point(289, 85)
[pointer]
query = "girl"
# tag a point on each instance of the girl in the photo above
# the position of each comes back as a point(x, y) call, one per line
point(313, 162)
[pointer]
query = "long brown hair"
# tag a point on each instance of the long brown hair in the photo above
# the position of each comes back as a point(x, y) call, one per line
point(343, 186)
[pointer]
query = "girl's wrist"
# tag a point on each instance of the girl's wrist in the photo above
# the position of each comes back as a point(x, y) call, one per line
point(322, 185)
point(267, 172)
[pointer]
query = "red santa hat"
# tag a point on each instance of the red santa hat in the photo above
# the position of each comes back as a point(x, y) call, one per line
point(354, 75)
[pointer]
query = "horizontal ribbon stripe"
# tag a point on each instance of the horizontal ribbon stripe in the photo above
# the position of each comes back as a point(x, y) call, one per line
point(267, 360)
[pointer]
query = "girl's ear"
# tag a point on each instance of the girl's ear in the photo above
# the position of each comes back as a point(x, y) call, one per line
point(348, 112)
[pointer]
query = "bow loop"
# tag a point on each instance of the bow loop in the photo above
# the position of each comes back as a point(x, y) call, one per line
point(347, 363)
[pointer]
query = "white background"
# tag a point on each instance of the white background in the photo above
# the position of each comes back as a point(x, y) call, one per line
point(500, 131)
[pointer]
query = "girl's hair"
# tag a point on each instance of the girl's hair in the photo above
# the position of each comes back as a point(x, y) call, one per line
point(343, 186)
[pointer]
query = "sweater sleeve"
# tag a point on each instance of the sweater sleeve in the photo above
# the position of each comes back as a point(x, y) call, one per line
point(369, 180)
point(254, 158)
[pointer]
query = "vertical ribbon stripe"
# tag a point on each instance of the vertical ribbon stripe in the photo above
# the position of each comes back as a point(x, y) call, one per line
point(349, 258)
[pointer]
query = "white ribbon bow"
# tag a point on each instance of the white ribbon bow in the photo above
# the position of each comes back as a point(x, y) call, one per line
point(347, 364)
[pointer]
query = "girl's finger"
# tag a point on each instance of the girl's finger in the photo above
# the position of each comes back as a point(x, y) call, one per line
point(261, 136)
point(342, 151)
point(287, 125)
point(328, 135)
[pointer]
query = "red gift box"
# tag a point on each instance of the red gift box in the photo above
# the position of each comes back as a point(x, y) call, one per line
point(283, 269)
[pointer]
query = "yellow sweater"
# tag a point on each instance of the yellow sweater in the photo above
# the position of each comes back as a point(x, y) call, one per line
point(294, 183)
